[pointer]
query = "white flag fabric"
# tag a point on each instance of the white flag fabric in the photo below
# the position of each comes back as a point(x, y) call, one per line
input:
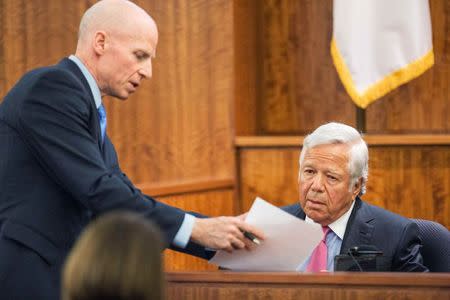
point(378, 45)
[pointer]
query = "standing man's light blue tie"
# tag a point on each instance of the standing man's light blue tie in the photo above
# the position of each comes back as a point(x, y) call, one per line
point(102, 118)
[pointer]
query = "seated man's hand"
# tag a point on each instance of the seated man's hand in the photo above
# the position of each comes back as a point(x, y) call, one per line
point(224, 233)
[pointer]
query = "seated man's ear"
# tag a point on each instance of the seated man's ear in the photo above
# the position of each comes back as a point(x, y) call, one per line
point(357, 188)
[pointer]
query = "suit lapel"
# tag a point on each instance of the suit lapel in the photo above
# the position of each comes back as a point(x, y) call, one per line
point(359, 228)
point(94, 121)
point(300, 213)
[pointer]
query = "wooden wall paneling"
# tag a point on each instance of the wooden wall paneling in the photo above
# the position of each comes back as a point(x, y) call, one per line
point(412, 181)
point(3, 86)
point(247, 69)
point(421, 105)
point(300, 89)
point(15, 47)
point(270, 173)
point(34, 34)
point(409, 180)
point(210, 203)
point(177, 127)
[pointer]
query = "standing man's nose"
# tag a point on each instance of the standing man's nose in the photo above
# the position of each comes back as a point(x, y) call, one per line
point(146, 70)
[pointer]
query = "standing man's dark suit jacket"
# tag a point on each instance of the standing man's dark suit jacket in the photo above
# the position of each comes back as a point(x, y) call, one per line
point(395, 235)
point(55, 176)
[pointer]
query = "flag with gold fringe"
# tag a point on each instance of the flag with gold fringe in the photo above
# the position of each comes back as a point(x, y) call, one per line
point(378, 45)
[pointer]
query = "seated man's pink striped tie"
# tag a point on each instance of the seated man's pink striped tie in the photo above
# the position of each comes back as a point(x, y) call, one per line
point(318, 261)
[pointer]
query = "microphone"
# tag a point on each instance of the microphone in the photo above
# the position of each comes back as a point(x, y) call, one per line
point(364, 250)
point(359, 258)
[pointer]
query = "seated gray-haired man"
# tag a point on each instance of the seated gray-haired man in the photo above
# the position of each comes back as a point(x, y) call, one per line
point(332, 177)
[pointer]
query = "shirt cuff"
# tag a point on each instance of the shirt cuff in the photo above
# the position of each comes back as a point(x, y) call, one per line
point(183, 235)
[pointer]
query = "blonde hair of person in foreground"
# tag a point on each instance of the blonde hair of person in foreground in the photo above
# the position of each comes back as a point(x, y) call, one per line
point(117, 257)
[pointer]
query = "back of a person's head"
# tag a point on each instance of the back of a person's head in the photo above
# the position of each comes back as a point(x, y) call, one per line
point(117, 257)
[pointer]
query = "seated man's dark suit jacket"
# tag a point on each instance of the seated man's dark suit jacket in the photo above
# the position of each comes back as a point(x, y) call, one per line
point(55, 176)
point(393, 234)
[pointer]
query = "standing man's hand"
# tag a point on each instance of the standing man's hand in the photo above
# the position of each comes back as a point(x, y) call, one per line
point(224, 233)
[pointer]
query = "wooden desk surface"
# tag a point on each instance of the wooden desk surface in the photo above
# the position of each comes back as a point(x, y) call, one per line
point(339, 285)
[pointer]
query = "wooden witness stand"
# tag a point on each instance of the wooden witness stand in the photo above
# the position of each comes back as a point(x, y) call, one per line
point(227, 285)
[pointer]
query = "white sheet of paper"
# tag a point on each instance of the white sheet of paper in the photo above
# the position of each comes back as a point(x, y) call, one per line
point(289, 241)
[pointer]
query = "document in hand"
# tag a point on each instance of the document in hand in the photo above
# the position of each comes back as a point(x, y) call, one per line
point(289, 241)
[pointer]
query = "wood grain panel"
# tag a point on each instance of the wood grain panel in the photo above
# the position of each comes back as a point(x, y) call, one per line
point(212, 203)
point(342, 285)
point(412, 181)
point(300, 88)
point(238, 291)
point(35, 33)
point(247, 69)
point(270, 174)
point(422, 105)
point(409, 180)
point(177, 127)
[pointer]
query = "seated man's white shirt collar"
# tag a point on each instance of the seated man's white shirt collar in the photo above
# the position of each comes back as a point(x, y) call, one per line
point(338, 226)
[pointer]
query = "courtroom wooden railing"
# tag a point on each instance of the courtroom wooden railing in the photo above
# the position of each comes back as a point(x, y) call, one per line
point(340, 285)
